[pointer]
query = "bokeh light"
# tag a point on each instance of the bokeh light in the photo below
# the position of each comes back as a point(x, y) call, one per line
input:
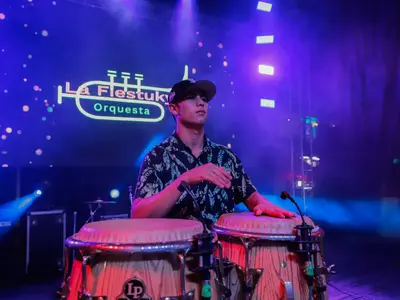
point(2, 16)
point(39, 152)
point(25, 108)
point(8, 129)
point(114, 193)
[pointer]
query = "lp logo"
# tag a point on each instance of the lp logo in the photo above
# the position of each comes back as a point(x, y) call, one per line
point(134, 289)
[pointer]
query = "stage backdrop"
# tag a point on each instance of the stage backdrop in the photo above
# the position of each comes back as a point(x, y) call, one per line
point(83, 94)
point(80, 89)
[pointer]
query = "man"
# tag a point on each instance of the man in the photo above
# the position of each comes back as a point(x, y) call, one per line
point(213, 172)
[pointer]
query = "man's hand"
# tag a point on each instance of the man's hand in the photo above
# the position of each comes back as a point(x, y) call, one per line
point(272, 210)
point(208, 172)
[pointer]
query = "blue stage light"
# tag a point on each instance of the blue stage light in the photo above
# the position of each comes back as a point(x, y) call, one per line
point(38, 193)
point(114, 193)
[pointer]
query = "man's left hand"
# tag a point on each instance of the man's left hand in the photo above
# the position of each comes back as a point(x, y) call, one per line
point(272, 211)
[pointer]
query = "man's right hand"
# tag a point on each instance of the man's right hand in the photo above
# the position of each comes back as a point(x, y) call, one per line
point(208, 172)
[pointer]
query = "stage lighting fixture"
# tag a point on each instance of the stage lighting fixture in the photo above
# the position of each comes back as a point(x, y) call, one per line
point(114, 193)
point(267, 103)
point(264, 6)
point(38, 193)
point(40, 188)
point(265, 39)
point(266, 70)
point(311, 161)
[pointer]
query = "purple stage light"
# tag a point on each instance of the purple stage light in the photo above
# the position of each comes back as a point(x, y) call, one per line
point(264, 6)
point(266, 70)
point(265, 39)
point(268, 103)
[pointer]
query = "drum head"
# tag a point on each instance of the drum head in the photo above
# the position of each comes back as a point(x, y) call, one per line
point(259, 225)
point(139, 231)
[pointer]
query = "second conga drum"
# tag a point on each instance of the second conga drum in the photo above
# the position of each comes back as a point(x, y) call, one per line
point(133, 259)
point(264, 251)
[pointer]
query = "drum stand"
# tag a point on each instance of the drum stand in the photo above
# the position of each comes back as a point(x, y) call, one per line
point(221, 265)
point(251, 276)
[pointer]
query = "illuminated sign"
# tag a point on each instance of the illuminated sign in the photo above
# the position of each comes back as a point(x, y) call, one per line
point(119, 101)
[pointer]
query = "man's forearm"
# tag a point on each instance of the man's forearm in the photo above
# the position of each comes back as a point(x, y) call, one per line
point(158, 205)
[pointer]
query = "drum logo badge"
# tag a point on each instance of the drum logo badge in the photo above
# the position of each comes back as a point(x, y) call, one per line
point(134, 289)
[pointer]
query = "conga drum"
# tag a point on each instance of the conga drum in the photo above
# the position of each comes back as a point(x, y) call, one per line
point(134, 259)
point(264, 251)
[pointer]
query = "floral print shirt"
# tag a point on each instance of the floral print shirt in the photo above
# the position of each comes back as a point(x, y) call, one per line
point(167, 161)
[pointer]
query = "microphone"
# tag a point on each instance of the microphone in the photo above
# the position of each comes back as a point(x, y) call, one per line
point(305, 244)
point(185, 186)
point(285, 195)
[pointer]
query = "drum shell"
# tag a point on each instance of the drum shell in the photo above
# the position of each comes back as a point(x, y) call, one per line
point(275, 255)
point(108, 272)
point(279, 263)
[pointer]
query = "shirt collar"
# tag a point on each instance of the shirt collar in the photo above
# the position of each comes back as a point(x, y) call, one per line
point(178, 145)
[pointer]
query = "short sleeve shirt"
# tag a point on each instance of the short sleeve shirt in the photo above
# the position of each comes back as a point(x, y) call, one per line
point(170, 159)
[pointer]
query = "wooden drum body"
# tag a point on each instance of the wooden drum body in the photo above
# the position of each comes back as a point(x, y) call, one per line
point(133, 259)
point(263, 249)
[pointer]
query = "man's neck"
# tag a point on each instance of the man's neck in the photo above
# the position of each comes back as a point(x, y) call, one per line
point(193, 138)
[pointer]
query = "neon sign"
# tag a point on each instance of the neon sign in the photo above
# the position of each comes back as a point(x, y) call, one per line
point(118, 101)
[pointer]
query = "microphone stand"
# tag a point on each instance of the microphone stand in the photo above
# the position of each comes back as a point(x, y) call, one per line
point(305, 245)
point(204, 248)
point(92, 213)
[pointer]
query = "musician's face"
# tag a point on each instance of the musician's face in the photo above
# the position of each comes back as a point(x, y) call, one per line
point(192, 111)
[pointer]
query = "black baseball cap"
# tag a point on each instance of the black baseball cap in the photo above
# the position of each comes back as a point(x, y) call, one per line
point(184, 88)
